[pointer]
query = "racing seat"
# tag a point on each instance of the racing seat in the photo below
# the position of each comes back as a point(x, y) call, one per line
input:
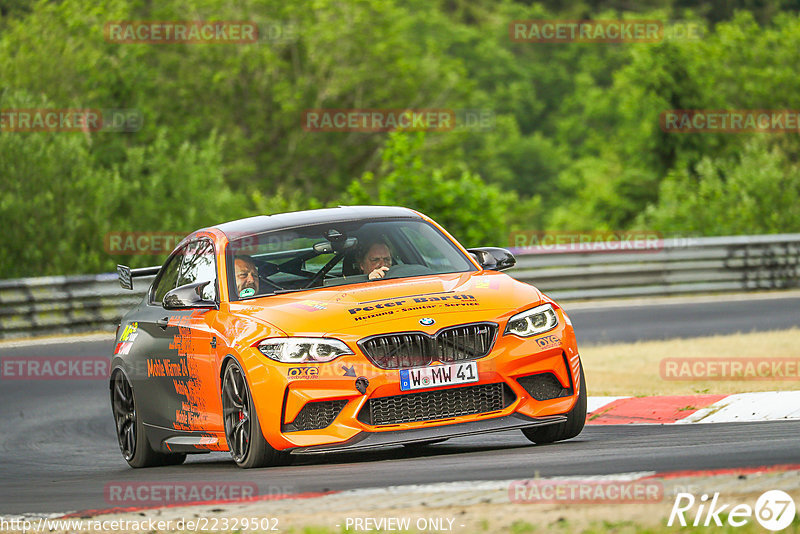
point(350, 265)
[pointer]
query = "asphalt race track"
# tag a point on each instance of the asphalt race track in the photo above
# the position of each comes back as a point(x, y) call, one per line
point(58, 449)
point(660, 320)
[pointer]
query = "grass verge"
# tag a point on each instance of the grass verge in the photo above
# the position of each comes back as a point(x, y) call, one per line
point(634, 368)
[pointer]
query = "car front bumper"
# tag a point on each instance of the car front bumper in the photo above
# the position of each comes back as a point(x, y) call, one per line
point(282, 391)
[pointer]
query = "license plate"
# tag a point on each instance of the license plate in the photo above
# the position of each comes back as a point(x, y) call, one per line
point(438, 375)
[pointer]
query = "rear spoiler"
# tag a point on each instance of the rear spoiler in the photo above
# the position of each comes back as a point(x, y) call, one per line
point(126, 274)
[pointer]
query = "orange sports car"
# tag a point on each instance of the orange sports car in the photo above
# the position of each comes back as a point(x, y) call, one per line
point(335, 330)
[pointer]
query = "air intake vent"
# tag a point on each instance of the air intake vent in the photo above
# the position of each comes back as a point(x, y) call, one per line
point(544, 386)
point(438, 404)
point(315, 415)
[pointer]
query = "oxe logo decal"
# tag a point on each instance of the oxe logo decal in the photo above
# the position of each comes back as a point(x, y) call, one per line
point(547, 342)
point(302, 372)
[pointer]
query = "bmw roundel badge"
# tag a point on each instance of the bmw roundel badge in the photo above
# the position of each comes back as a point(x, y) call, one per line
point(426, 321)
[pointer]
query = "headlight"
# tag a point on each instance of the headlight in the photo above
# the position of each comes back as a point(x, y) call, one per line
point(534, 321)
point(302, 349)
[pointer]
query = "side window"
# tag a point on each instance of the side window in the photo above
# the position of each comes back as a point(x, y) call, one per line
point(169, 277)
point(199, 265)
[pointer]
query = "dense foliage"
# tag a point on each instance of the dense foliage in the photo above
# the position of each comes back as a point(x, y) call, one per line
point(575, 142)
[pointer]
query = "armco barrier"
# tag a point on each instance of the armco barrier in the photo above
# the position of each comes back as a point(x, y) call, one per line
point(674, 266)
point(62, 304)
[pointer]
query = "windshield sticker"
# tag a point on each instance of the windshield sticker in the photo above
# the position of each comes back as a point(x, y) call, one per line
point(487, 284)
point(310, 305)
point(247, 292)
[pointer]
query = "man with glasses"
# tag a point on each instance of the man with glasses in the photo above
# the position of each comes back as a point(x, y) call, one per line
point(376, 260)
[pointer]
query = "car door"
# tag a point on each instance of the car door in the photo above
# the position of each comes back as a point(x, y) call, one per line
point(158, 368)
point(180, 351)
point(195, 344)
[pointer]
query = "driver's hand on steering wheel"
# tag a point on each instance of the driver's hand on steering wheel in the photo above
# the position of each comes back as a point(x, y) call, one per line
point(378, 273)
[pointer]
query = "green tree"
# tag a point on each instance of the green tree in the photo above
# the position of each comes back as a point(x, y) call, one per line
point(755, 192)
point(58, 203)
point(473, 212)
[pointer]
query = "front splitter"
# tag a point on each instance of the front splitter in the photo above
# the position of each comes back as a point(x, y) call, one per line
point(373, 440)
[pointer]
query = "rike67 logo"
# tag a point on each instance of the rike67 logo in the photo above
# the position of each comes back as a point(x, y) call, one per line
point(774, 510)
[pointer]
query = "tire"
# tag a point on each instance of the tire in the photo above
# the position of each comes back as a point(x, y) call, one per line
point(246, 442)
point(131, 433)
point(576, 419)
point(422, 444)
point(174, 459)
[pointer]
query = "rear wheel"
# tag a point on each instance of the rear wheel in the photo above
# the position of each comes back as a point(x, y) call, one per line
point(246, 442)
point(131, 433)
point(576, 419)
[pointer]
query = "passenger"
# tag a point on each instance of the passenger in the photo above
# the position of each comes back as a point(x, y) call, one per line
point(247, 283)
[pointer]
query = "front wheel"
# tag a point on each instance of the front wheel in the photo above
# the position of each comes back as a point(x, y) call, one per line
point(576, 419)
point(246, 442)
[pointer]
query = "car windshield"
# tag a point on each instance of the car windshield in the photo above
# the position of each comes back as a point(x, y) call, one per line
point(341, 253)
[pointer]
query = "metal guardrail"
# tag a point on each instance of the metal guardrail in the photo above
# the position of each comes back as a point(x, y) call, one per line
point(62, 304)
point(671, 267)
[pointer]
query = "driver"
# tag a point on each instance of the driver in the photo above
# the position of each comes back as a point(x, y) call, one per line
point(246, 276)
point(376, 260)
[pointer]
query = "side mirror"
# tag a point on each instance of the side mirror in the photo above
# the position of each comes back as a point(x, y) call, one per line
point(188, 296)
point(493, 258)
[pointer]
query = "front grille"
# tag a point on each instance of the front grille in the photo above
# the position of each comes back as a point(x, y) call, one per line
point(315, 415)
point(417, 349)
point(438, 404)
point(544, 386)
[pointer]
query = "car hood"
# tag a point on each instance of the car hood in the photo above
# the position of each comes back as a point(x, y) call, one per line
point(366, 307)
